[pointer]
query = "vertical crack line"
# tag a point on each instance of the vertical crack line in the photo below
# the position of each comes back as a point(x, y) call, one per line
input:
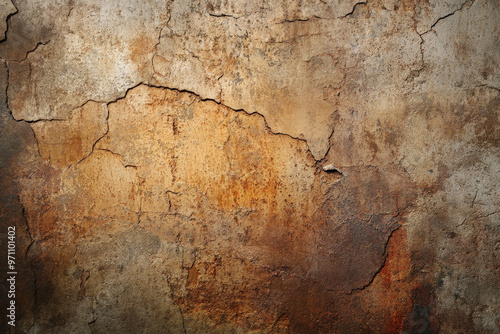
point(323, 160)
point(32, 241)
point(159, 41)
point(415, 73)
point(7, 88)
point(8, 21)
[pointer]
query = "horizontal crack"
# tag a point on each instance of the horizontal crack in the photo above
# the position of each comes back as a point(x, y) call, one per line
point(224, 15)
point(301, 20)
point(268, 128)
point(41, 120)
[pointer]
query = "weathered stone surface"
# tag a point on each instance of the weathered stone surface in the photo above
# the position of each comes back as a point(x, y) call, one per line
point(75, 51)
point(252, 167)
point(293, 69)
point(448, 47)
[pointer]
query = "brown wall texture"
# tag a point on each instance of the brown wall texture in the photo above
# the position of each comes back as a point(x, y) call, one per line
point(251, 166)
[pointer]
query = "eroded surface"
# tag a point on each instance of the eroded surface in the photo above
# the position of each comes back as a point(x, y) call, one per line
point(163, 165)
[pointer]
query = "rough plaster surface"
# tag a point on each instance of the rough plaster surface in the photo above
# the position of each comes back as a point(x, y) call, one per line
point(163, 164)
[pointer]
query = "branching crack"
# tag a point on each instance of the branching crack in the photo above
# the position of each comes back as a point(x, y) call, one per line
point(200, 98)
point(477, 217)
point(156, 51)
point(416, 73)
point(40, 120)
point(485, 215)
point(159, 41)
point(469, 3)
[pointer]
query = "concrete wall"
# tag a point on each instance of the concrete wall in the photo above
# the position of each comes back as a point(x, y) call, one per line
point(215, 166)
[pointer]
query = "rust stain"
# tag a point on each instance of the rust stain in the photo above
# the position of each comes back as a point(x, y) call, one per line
point(281, 244)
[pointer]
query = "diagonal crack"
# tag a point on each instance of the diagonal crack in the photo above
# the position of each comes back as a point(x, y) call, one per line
point(277, 320)
point(32, 241)
point(353, 9)
point(398, 226)
point(469, 4)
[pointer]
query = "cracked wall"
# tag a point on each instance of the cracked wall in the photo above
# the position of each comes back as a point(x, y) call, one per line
point(163, 163)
